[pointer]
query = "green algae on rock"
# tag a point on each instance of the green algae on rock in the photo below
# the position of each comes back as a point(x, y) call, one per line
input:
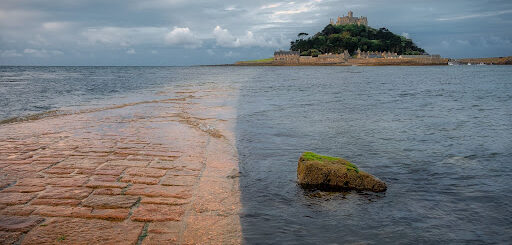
point(334, 173)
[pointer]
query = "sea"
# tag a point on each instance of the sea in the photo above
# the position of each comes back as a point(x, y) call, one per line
point(439, 136)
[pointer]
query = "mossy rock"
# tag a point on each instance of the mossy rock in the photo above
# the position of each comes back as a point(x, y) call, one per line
point(333, 174)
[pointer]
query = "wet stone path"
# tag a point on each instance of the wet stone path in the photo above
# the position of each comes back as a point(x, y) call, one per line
point(153, 172)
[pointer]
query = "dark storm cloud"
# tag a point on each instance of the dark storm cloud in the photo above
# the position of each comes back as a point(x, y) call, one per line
point(181, 32)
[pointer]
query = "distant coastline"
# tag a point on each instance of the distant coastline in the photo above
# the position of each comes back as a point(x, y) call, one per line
point(384, 62)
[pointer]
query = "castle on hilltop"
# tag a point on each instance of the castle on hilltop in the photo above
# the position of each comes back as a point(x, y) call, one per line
point(350, 19)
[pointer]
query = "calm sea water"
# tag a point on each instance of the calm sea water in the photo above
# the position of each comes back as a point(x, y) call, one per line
point(441, 137)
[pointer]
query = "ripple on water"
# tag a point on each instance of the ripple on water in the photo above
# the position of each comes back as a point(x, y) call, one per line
point(447, 163)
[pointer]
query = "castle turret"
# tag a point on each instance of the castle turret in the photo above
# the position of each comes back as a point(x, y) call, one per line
point(350, 19)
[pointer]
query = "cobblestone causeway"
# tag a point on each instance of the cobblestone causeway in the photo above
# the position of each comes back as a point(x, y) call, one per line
point(153, 172)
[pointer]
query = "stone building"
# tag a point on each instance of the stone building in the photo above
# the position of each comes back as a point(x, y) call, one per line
point(421, 56)
point(375, 54)
point(293, 57)
point(287, 57)
point(350, 19)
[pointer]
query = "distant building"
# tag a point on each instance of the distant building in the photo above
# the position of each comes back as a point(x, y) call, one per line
point(350, 19)
point(294, 58)
point(422, 56)
point(286, 56)
point(375, 54)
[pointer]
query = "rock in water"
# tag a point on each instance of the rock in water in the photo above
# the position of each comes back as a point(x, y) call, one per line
point(333, 173)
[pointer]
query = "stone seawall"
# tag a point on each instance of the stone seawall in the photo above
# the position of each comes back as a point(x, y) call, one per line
point(398, 62)
point(494, 60)
point(349, 62)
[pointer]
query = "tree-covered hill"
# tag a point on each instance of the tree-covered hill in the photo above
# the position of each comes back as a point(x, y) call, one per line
point(337, 38)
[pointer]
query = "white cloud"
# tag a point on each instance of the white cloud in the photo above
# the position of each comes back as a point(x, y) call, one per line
point(230, 54)
point(478, 15)
point(300, 8)
point(125, 36)
point(210, 52)
point(287, 13)
point(130, 51)
point(490, 41)
point(183, 36)
point(270, 6)
point(224, 38)
point(19, 18)
point(10, 53)
point(55, 25)
point(405, 34)
point(495, 41)
point(462, 42)
point(159, 4)
point(42, 52)
point(38, 40)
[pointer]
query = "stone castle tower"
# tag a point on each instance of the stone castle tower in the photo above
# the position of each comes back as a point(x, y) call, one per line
point(350, 19)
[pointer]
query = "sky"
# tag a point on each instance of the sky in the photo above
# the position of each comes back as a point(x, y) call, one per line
point(198, 32)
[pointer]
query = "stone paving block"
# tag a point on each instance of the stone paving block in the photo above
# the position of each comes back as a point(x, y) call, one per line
point(212, 229)
point(159, 191)
point(164, 164)
point(55, 202)
point(179, 180)
point(24, 189)
point(184, 172)
point(32, 182)
point(19, 162)
point(107, 191)
point(25, 168)
point(15, 198)
point(104, 184)
point(60, 171)
point(68, 182)
point(8, 238)
point(85, 171)
point(105, 178)
point(6, 181)
point(165, 227)
point(45, 161)
point(216, 194)
point(18, 223)
point(78, 164)
point(146, 172)
point(164, 200)
point(161, 238)
point(128, 163)
point(155, 212)
point(84, 231)
point(114, 172)
point(105, 201)
point(110, 214)
point(66, 193)
point(140, 180)
point(18, 210)
point(63, 211)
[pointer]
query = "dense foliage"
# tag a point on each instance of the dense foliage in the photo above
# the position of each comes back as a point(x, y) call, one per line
point(337, 38)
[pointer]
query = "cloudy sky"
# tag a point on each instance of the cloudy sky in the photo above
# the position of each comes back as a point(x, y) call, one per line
point(188, 32)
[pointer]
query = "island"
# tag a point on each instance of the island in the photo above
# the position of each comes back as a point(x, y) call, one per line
point(351, 42)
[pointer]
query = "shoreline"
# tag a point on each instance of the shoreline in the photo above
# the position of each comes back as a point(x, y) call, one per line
point(149, 173)
point(388, 62)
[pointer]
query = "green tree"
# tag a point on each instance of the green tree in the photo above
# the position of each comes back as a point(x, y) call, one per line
point(337, 38)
